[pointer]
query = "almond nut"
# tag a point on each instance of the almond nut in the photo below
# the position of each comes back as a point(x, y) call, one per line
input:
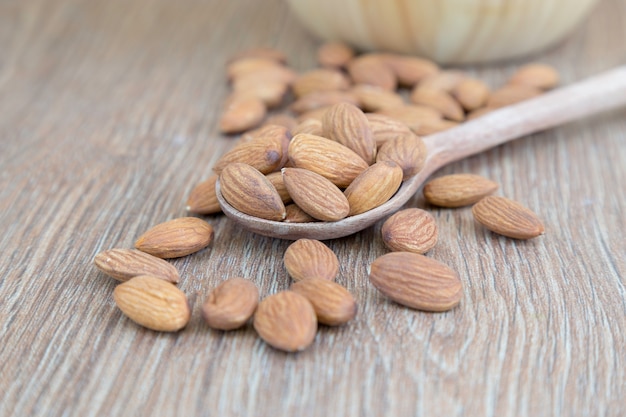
point(410, 230)
point(241, 114)
point(408, 151)
point(333, 304)
point(124, 264)
point(334, 55)
point(507, 217)
point(440, 101)
point(202, 198)
point(230, 304)
point(471, 93)
point(536, 75)
point(373, 187)
point(371, 69)
point(315, 195)
point(345, 123)
point(176, 238)
point(320, 80)
point(458, 190)
point(308, 258)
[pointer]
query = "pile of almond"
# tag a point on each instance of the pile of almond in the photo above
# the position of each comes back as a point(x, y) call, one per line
point(348, 141)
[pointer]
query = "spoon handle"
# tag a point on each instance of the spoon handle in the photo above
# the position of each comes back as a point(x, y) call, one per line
point(598, 93)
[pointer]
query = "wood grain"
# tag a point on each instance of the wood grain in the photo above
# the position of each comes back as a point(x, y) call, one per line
point(108, 115)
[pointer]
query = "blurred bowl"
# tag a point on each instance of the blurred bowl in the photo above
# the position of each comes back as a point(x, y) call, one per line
point(447, 31)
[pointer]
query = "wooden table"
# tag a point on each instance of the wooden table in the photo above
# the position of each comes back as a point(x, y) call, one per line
point(108, 115)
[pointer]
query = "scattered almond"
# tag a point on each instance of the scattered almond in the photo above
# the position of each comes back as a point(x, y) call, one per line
point(410, 70)
point(241, 114)
point(471, 93)
point(176, 238)
point(310, 126)
point(511, 94)
point(320, 80)
point(230, 304)
point(250, 65)
point(373, 187)
point(260, 52)
point(286, 321)
point(536, 75)
point(440, 101)
point(444, 80)
point(333, 304)
point(416, 281)
point(285, 120)
point(320, 99)
point(458, 190)
point(202, 198)
point(507, 217)
point(385, 128)
point(373, 98)
point(410, 230)
point(315, 195)
point(153, 303)
point(345, 123)
point(408, 151)
point(309, 258)
point(334, 54)
point(371, 69)
point(124, 264)
point(412, 115)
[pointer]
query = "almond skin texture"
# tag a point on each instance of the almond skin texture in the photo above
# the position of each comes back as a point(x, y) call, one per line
point(330, 159)
point(264, 153)
point(371, 69)
point(333, 304)
point(315, 195)
point(439, 100)
point(310, 126)
point(458, 190)
point(296, 215)
point(444, 80)
point(308, 258)
point(334, 55)
point(507, 217)
point(176, 238)
point(536, 75)
point(471, 93)
point(242, 114)
point(124, 264)
point(153, 303)
point(416, 281)
point(202, 198)
point(320, 80)
point(373, 187)
point(408, 151)
point(230, 304)
point(345, 123)
point(385, 128)
point(286, 321)
point(249, 191)
point(410, 230)
point(372, 98)
point(410, 70)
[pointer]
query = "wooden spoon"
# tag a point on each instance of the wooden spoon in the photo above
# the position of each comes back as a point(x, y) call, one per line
point(593, 95)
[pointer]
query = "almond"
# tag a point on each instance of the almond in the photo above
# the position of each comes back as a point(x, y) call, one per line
point(230, 304)
point(285, 120)
point(241, 114)
point(263, 153)
point(176, 238)
point(507, 217)
point(320, 80)
point(408, 151)
point(458, 190)
point(261, 52)
point(416, 281)
point(276, 178)
point(334, 55)
point(319, 99)
point(249, 191)
point(474, 114)
point(444, 80)
point(373, 98)
point(310, 126)
point(315, 195)
point(286, 321)
point(326, 157)
point(371, 69)
point(153, 303)
point(429, 126)
point(244, 66)
point(333, 304)
point(271, 93)
point(385, 128)
point(308, 258)
point(409, 70)
point(541, 76)
point(511, 94)
point(202, 198)
point(317, 114)
point(471, 93)
point(269, 74)
point(124, 264)
point(439, 100)
point(410, 230)
point(412, 115)
point(345, 123)
point(373, 187)
point(296, 215)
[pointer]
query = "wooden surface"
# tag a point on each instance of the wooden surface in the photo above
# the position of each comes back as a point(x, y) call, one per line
point(108, 115)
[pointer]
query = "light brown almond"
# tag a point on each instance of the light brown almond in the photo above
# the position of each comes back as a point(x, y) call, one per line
point(412, 115)
point(285, 120)
point(153, 303)
point(296, 215)
point(429, 126)
point(317, 114)
point(334, 54)
point(320, 80)
point(241, 114)
point(373, 98)
point(124, 264)
point(310, 126)
point(202, 198)
point(507, 217)
point(308, 259)
point(541, 76)
point(315, 195)
point(385, 128)
point(286, 321)
point(271, 93)
point(440, 101)
point(176, 238)
point(345, 123)
point(410, 230)
point(245, 66)
point(511, 94)
point(260, 52)
point(230, 304)
point(333, 304)
point(249, 191)
point(444, 80)
point(276, 178)
point(373, 187)
point(407, 151)
point(416, 281)
point(474, 114)
point(326, 157)
point(371, 69)
point(409, 70)
point(471, 93)
point(458, 190)
point(269, 74)
point(265, 153)
point(319, 99)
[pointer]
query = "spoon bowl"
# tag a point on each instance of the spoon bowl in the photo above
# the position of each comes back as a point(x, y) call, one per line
point(593, 95)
